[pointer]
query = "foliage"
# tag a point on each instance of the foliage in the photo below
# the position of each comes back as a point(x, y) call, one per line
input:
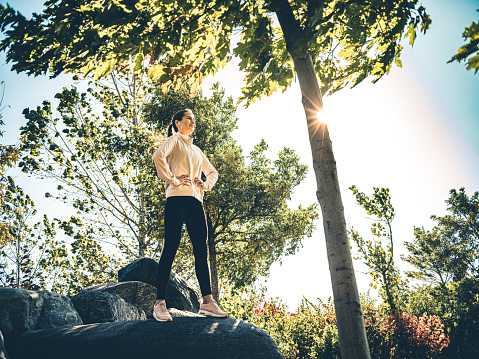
point(18, 267)
point(32, 258)
point(457, 306)
point(402, 335)
point(311, 331)
point(8, 157)
point(184, 41)
point(379, 260)
point(252, 224)
point(447, 256)
point(430, 253)
point(30, 255)
point(468, 50)
point(96, 152)
point(450, 250)
point(75, 265)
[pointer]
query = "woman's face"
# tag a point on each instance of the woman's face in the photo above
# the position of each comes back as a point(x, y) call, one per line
point(187, 124)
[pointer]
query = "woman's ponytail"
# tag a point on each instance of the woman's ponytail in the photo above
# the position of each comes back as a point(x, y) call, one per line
point(170, 130)
point(176, 117)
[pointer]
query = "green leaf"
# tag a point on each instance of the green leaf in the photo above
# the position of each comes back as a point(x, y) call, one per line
point(138, 62)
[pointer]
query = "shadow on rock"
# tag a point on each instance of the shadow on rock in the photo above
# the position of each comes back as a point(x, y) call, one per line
point(197, 338)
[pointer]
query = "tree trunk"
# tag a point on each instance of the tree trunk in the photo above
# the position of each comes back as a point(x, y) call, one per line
point(19, 265)
point(351, 331)
point(388, 289)
point(212, 257)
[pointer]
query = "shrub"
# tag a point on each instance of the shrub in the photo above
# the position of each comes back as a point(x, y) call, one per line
point(311, 332)
point(307, 334)
point(402, 335)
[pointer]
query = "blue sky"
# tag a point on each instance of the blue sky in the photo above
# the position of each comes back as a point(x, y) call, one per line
point(416, 132)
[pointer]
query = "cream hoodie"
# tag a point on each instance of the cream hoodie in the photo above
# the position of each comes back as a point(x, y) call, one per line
point(178, 156)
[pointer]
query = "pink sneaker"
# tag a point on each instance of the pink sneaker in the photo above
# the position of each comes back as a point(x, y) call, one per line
point(160, 313)
point(212, 309)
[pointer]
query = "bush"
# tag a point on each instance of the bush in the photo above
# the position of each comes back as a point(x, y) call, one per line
point(307, 334)
point(457, 306)
point(402, 335)
point(311, 332)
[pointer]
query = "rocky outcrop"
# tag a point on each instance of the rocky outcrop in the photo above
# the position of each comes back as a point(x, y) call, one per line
point(198, 338)
point(179, 294)
point(139, 294)
point(19, 310)
point(23, 310)
point(108, 321)
point(3, 351)
point(57, 311)
point(144, 270)
point(103, 307)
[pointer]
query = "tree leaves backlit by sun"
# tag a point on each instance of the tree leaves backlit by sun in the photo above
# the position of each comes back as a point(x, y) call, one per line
point(184, 41)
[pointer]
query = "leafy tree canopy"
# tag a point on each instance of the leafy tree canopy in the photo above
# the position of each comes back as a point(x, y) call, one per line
point(184, 41)
point(469, 51)
point(378, 259)
point(451, 249)
point(8, 157)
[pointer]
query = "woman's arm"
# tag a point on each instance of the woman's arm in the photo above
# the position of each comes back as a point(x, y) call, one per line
point(210, 172)
point(159, 158)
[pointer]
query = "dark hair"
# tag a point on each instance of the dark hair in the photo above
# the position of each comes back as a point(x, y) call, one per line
point(176, 117)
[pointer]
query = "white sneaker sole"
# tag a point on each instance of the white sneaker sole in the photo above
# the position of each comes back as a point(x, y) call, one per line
point(159, 319)
point(210, 314)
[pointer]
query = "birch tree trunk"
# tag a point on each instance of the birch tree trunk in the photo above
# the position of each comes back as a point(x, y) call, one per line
point(351, 331)
point(349, 315)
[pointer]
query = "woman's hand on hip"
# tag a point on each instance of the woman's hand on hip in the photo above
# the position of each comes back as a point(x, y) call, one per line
point(185, 180)
point(199, 182)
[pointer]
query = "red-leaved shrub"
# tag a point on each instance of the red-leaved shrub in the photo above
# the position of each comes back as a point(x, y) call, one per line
point(402, 335)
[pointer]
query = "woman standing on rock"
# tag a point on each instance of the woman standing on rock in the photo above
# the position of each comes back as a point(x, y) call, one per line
point(180, 163)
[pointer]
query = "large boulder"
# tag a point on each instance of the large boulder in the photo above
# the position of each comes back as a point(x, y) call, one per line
point(209, 338)
point(3, 351)
point(57, 311)
point(19, 310)
point(23, 310)
point(139, 294)
point(179, 294)
point(103, 307)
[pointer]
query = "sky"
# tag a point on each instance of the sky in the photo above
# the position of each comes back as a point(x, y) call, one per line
point(415, 132)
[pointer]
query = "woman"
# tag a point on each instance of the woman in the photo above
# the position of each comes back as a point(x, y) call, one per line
point(180, 163)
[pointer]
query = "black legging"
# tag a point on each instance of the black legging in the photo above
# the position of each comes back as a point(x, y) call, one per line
point(177, 211)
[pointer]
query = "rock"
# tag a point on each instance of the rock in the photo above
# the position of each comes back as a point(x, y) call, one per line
point(24, 310)
point(102, 307)
point(57, 311)
point(139, 294)
point(208, 338)
point(144, 270)
point(175, 313)
point(3, 351)
point(179, 294)
point(19, 310)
